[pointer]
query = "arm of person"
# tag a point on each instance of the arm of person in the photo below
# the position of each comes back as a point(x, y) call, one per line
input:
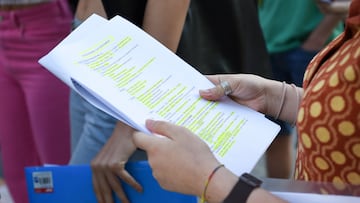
point(222, 189)
point(179, 151)
point(164, 20)
point(109, 164)
point(85, 8)
point(319, 36)
point(283, 100)
point(334, 12)
point(271, 97)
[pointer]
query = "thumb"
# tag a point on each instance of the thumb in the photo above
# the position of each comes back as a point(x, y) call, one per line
point(143, 141)
point(164, 129)
point(212, 94)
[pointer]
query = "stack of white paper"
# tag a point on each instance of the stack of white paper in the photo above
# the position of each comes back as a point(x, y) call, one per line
point(122, 70)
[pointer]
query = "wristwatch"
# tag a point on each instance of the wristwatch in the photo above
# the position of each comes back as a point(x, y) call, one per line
point(243, 188)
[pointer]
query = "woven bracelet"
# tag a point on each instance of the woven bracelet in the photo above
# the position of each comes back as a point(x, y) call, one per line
point(202, 200)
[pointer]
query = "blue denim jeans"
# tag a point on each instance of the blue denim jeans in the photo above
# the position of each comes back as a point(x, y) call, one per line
point(90, 130)
point(290, 67)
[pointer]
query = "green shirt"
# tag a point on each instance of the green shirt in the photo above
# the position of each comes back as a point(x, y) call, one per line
point(286, 24)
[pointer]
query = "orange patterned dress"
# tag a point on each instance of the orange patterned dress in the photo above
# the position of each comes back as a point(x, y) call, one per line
point(328, 122)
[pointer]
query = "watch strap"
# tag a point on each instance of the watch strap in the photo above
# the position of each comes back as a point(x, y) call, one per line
point(243, 188)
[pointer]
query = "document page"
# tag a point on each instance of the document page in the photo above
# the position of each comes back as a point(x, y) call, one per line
point(124, 71)
point(315, 198)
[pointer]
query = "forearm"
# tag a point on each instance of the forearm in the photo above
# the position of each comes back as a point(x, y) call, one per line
point(223, 183)
point(220, 186)
point(319, 36)
point(125, 132)
point(285, 109)
point(164, 20)
point(86, 8)
point(260, 195)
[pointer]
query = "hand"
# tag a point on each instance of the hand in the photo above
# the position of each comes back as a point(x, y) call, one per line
point(247, 89)
point(336, 7)
point(109, 165)
point(313, 45)
point(180, 160)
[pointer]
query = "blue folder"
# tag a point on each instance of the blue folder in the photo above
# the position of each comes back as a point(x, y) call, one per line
point(73, 184)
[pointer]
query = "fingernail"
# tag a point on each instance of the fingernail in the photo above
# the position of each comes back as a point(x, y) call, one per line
point(205, 92)
point(139, 189)
point(149, 122)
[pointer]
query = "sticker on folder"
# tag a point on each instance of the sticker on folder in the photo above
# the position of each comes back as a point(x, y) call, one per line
point(42, 182)
point(73, 184)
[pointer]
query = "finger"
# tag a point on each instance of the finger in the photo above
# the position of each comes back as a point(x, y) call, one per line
point(164, 128)
point(213, 94)
point(97, 189)
point(143, 141)
point(115, 185)
point(119, 170)
point(214, 78)
point(223, 87)
point(126, 177)
point(102, 188)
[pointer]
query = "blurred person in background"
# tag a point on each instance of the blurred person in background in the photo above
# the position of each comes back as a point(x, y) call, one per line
point(80, 116)
point(294, 32)
point(34, 119)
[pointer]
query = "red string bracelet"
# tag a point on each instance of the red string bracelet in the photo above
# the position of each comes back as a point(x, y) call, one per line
point(202, 200)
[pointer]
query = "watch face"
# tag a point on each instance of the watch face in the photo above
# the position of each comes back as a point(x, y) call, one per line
point(250, 180)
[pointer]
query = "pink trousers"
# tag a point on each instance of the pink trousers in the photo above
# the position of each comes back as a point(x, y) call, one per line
point(34, 112)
